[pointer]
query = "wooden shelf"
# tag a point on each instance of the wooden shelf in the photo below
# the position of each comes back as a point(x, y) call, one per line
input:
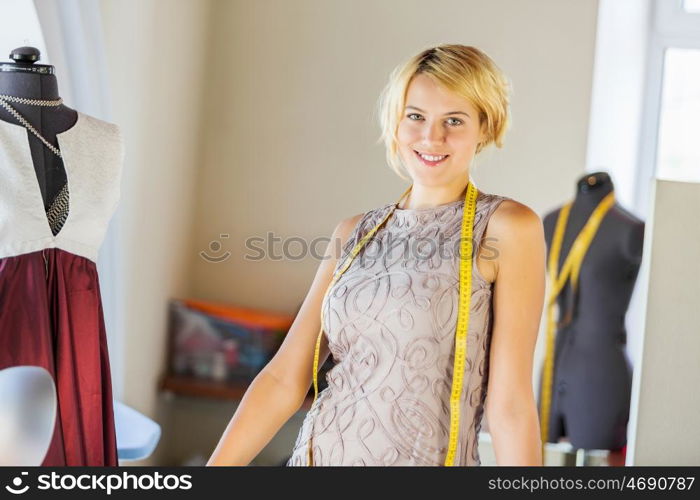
point(199, 388)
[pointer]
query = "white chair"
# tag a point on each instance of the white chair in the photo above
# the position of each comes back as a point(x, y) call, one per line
point(27, 415)
point(137, 435)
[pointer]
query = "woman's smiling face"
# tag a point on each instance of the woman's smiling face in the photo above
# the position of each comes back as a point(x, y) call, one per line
point(437, 122)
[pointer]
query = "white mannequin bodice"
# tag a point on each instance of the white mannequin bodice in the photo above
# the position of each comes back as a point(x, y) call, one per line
point(92, 152)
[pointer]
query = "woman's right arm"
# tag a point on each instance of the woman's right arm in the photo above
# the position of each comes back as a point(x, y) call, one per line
point(279, 390)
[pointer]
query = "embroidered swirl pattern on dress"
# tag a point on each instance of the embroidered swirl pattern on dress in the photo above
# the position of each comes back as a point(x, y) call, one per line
point(390, 322)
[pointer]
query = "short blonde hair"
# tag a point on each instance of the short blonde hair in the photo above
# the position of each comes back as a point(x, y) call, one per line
point(462, 69)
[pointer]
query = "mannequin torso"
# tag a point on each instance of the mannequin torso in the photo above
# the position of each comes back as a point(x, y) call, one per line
point(592, 375)
point(21, 79)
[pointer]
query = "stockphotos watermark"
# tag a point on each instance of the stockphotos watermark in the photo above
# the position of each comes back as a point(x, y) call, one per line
point(439, 246)
point(107, 483)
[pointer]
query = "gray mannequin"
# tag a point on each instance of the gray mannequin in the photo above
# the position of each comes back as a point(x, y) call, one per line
point(24, 78)
point(592, 375)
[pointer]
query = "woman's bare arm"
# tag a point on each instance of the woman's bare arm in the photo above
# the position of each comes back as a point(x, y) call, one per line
point(519, 287)
point(278, 391)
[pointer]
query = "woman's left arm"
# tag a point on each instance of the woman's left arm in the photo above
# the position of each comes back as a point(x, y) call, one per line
point(517, 234)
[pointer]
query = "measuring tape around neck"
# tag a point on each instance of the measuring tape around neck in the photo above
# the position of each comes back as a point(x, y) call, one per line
point(570, 269)
point(465, 287)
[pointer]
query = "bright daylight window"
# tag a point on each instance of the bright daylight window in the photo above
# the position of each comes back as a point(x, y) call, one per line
point(678, 156)
point(676, 41)
point(691, 5)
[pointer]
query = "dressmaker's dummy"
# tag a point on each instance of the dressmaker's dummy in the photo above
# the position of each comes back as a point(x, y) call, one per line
point(23, 78)
point(592, 374)
point(60, 172)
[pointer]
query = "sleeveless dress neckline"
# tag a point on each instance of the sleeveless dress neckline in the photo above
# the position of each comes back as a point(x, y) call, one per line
point(436, 208)
point(66, 156)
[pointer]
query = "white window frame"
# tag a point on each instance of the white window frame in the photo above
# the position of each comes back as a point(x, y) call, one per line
point(672, 27)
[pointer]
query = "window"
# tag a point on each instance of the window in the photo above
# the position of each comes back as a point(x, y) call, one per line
point(675, 55)
point(673, 67)
point(678, 154)
point(692, 6)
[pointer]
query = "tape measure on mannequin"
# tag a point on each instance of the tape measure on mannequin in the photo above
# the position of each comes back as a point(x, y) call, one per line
point(465, 288)
point(570, 269)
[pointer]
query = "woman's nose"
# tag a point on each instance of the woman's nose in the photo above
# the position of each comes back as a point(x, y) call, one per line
point(433, 133)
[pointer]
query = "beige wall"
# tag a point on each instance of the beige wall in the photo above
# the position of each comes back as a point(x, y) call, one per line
point(290, 131)
point(290, 139)
point(288, 143)
point(665, 400)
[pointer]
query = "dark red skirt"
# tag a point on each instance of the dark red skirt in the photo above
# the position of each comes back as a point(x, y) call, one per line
point(51, 316)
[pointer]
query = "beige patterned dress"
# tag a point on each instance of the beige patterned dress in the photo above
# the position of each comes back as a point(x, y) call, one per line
point(390, 322)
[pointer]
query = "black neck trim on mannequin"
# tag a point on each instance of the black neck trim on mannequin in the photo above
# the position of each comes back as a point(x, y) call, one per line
point(36, 69)
point(29, 86)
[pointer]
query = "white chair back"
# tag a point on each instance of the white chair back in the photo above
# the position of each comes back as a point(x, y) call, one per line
point(27, 415)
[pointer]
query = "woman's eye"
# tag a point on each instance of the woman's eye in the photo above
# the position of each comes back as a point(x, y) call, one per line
point(455, 122)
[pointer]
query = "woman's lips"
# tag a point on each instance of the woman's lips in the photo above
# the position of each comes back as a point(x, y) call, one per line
point(428, 162)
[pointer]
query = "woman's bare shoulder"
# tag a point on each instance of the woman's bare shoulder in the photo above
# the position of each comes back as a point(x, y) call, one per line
point(512, 215)
point(346, 226)
point(353, 227)
point(514, 228)
point(342, 233)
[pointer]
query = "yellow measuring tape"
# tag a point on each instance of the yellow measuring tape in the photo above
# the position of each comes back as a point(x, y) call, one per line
point(465, 287)
point(570, 268)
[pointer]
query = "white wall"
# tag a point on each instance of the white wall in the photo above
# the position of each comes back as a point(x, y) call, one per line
point(615, 127)
point(156, 58)
point(19, 27)
point(618, 93)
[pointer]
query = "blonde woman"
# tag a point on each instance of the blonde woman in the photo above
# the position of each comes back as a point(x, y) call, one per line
point(406, 387)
